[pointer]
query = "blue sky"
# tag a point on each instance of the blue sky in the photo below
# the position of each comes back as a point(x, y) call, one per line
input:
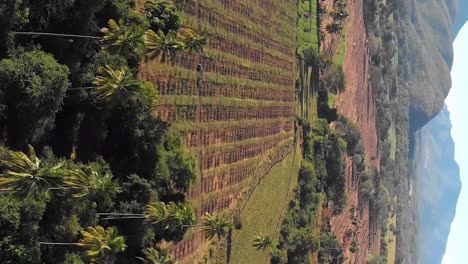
point(457, 102)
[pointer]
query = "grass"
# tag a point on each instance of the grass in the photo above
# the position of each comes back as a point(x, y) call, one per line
point(393, 142)
point(264, 210)
point(331, 99)
point(339, 60)
point(391, 247)
point(309, 24)
point(340, 55)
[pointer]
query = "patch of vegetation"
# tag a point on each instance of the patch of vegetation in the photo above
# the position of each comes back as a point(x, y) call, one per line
point(276, 188)
point(106, 170)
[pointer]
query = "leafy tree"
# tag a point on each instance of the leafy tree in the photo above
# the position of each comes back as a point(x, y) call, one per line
point(19, 224)
point(216, 226)
point(162, 15)
point(154, 256)
point(376, 260)
point(333, 79)
point(162, 45)
point(26, 175)
point(32, 86)
point(330, 248)
point(180, 164)
point(262, 242)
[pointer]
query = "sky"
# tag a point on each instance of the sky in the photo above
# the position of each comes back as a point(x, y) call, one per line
point(457, 102)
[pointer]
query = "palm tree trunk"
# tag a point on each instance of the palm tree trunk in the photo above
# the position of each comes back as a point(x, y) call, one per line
point(58, 243)
point(56, 35)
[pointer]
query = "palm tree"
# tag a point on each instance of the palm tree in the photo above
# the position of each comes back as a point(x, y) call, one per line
point(169, 217)
point(26, 175)
point(97, 242)
point(262, 242)
point(193, 42)
point(88, 182)
point(153, 256)
point(215, 225)
point(354, 247)
point(110, 82)
point(334, 28)
point(160, 44)
point(121, 39)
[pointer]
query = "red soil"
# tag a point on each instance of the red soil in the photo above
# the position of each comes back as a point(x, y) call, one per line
point(356, 103)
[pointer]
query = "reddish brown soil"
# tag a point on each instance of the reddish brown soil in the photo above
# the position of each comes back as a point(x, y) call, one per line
point(357, 104)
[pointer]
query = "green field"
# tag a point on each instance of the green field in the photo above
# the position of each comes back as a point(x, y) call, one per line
point(308, 25)
point(393, 142)
point(263, 212)
point(340, 55)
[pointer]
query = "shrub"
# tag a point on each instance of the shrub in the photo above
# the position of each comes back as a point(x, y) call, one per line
point(162, 15)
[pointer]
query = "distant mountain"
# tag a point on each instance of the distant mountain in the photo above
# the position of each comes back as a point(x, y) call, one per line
point(438, 173)
point(431, 26)
point(462, 16)
point(439, 185)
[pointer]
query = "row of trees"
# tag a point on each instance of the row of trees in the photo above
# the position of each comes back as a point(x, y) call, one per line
point(68, 86)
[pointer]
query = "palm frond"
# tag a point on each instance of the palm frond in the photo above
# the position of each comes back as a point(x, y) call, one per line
point(215, 225)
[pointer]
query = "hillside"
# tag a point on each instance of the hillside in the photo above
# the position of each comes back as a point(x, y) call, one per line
point(428, 27)
point(439, 182)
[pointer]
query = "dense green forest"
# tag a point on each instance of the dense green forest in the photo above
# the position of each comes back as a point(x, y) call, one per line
point(87, 172)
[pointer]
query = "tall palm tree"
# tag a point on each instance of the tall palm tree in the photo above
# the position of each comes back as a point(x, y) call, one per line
point(262, 242)
point(153, 256)
point(163, 45)
point(334, 28)
point(121, 39)
point(110, 82)
point(98, 242)
point(170, 217)
point(215, 225)
point(26, 175)
point(193, 42)
point(89, 182)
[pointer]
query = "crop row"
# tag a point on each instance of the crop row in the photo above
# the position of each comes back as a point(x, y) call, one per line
point(218, 15)
point(255, 44)
point(216, 158)
point(154, 72)
point(217, 136)
point(230, 67)
point(257, 56)
point(252, 60)
point(285, 10)
point(187, 246)
point(219, 20)
point(221, 113)
point(264, 13)
point(220, 204)
point(190, 100)
point(178, 86)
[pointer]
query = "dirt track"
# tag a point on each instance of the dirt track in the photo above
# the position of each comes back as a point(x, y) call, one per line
point(357, 104)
